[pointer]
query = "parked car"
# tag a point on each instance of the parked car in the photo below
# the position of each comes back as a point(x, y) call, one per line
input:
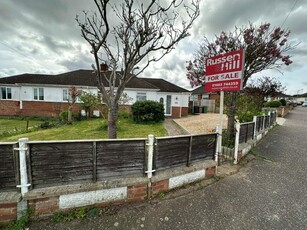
point(304, 104)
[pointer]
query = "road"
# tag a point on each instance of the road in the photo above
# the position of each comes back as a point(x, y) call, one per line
point(270, 192)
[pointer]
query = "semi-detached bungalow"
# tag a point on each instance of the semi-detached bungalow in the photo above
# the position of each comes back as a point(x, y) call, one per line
point(46, 95)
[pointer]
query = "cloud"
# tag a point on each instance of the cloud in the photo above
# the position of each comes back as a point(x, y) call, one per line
point(43, 36)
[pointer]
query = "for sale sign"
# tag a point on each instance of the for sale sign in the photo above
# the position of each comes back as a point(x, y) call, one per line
point(225, 72)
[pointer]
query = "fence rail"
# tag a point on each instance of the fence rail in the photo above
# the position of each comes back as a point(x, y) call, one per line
point(51, 163)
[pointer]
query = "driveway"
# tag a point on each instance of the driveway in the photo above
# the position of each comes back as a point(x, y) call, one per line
point(269, 193)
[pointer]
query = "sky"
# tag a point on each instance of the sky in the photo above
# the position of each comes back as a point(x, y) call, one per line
point(42, 36)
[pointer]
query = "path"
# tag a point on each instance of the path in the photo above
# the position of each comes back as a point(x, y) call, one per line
point(270, 193)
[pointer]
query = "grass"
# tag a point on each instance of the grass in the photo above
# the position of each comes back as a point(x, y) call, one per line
point(91, 129)
point(18, 124)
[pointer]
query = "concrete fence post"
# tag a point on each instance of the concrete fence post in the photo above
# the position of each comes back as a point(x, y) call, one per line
point(22, 206)
point(218, 144)
point(255, 126)
point(236, 149)
point(149, 171)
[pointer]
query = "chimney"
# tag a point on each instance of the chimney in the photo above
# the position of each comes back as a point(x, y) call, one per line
point(104, 67)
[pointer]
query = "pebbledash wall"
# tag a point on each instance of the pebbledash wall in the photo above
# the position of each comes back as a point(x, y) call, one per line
point(101, 173)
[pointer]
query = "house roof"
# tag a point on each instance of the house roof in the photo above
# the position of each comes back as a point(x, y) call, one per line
point(164, 85)
point(199, 90)
point(88, 78)
point(77, 78)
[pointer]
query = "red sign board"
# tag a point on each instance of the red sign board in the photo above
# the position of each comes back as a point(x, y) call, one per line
point(225, 72)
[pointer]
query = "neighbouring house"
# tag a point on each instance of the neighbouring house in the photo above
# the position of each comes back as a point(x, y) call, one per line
point(46, 95)
point(201, 101)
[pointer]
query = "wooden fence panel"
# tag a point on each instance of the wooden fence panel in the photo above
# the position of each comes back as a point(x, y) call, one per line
point(259, 122)
point(60, 163)
point(171, 152)
point(246, 132)
point(203, 147)
point(120, 158)
point(8, 169)
point(267, 122)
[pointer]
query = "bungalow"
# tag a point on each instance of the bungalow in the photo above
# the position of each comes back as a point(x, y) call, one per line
point(200, 99)
point(46, 95)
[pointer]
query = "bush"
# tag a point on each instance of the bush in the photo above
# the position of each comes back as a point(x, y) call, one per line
point(124, 113)
point(283, 102)
point(273, 104)
point(64, 116)
point(147, 111)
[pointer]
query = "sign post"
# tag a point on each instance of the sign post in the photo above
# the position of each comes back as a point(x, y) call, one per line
point(224, 72)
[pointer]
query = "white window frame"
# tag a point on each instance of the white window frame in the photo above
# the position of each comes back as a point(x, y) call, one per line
point(39, 94)
point(7, 95)
point(141, 96)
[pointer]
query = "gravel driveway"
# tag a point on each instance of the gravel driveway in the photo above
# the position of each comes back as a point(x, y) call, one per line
point(200, 123)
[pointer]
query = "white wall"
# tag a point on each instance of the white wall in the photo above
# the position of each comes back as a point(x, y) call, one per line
point(51, 94)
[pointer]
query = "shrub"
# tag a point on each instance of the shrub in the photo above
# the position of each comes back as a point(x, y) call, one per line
point(273, 104)
point(283, 102)
point(64, 116)
point(147, 111)
point(124, 113)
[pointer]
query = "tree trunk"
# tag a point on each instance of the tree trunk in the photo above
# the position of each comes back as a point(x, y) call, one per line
point(231, 116)
point(69, 115)
point(112, 120)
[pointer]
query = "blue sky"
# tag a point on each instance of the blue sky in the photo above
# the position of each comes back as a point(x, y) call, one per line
point(41, 36)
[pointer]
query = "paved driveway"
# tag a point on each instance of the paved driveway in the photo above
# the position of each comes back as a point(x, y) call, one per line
point(269, 193)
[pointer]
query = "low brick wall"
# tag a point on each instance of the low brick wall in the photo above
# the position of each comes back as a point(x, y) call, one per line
point(8, 207)
point(46, 201)
point(178, 112)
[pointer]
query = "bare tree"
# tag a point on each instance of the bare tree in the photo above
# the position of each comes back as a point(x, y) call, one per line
point(73, 94)
point(128, 37)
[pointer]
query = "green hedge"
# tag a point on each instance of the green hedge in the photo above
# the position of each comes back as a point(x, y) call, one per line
point(273, 104)
point(147, 111)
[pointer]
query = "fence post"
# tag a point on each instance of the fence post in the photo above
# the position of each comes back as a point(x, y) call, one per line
point(236, 150)
point(218, 150)
point(255, 126)
point(149, 171)
point(22, 206)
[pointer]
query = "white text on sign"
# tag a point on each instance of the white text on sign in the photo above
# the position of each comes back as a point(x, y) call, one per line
point(224, 76)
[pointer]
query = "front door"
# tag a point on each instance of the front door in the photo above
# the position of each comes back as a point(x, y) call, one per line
point(168, 106)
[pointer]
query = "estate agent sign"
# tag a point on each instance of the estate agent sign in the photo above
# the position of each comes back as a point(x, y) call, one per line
point(225, 72)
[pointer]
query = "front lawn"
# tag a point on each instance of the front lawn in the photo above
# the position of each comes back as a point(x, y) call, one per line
point(17, 124)
point(91, 129)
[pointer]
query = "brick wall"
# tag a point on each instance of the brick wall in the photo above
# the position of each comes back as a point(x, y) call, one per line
point(34, 108)
point(159, 186)
point(45, 109)
point(9, 108)
point(44, 206)
point(8, 212)
point(210, 172)
point(137, 192)
point(176, 112)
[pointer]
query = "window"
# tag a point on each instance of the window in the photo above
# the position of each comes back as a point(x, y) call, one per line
point(141, 97)
point(6, 93)
point(39, 94)
point(65, 94)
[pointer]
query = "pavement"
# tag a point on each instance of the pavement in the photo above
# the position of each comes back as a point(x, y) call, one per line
point(269, 191)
